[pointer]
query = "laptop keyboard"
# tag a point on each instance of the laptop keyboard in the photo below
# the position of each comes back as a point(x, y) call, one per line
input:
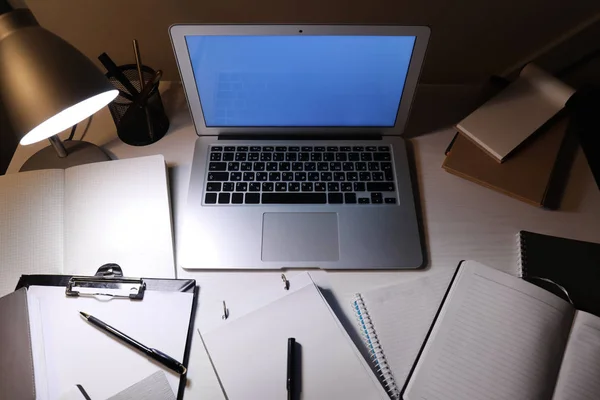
point(300, 175)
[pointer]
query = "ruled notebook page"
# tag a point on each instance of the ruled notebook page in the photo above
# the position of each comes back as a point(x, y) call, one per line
point(497, 337)
point(402, 314)
point(579, 377)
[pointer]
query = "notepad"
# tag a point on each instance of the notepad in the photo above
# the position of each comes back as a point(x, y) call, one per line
point(76, 352)
point(249, 353)
point(394, 320)
point(75, 220)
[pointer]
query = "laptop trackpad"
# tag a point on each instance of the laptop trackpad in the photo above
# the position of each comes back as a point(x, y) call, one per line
point(300, 237)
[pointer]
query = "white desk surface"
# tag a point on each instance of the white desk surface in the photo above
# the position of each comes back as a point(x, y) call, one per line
point(461, 220)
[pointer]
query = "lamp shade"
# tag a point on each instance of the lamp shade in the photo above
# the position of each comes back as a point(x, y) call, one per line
point(46, 85)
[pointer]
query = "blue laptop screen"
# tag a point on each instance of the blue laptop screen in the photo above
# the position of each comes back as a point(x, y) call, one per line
point(300, 81)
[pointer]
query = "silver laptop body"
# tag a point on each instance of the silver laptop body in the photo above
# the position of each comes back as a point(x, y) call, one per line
point(300, 161)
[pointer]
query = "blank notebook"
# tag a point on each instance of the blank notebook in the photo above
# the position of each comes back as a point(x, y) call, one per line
point(558, 264)
point(499, 337)
point(394, 320)
point(249, 353)
point(75, 220)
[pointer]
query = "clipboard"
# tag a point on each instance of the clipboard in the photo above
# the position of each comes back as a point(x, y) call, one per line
point(110, 277)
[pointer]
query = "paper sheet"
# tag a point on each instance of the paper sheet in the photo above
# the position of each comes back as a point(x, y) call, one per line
point(250, 352)
point(118, 212)
point(77, 352)
point(31, 225)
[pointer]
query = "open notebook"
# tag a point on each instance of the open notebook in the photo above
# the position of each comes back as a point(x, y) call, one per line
point(75, 220)
point(497, 334)
point(249, 352)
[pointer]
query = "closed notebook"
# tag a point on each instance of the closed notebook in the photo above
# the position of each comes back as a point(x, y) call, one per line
point(535, 174)
point(563, 266)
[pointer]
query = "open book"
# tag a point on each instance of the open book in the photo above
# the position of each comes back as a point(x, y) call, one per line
point(505, 121)
point(499, 337)
point(75, 220)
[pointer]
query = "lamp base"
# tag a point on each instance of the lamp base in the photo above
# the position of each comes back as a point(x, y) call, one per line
point(78, 153)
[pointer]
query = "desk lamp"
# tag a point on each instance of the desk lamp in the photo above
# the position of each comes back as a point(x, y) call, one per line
point(46, 86)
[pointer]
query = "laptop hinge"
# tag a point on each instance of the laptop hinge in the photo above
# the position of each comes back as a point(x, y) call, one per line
point(303, 137)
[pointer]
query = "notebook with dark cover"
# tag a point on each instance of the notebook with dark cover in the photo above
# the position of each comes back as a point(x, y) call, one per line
point(549, 261)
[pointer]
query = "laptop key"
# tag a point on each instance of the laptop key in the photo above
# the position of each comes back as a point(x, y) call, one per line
point(303, 156)
point(376, 198)
point(280, 186)
point(233, 166)
point(335, 198)
point(224, 198)
point(316, 156)
point(246, 166)
point(346, 187)
point(272, 166)
point(348, 166)
point(229, 148)
point(216, 148)
point(306, 186)
point(373, 166)
point(252, 198)
point(340, 157)
point(359, 187)
point(294, 198)
point(366, 157)
point(242, 148)
point(328, 156)
point(383, 148)
point(352, 176)
point(278, 156)
point(345, 148)
point(218, 176)
point(326, 176)
point(377, 176)
point(294, 186)
point(307, 148)
point(274, 176)
point(371, 148)
point(358, 148)
point(386, 166)
point(240, 156)
point(280, 148)
point(300, 176)
point(294, 148)
point(350, 198)
point(284, 166)
point(215, 156)
point(213, 187)
point(339, 176)
point(259, 166)
point(235, 176)
point(388, 175)
point(267, 186)
point(228, 186)
point(228, 156)
point(390, 200)
point(255, 148)
point(363, 200)
point(380, 186)
point(365, 176)
point(262, 176)
point(320, 186)
point(287, 176)
point(333, 187)
point(335, 166)
point(297, 166)
point(319, 148)
point(360, 166)
point(217, 166)
point(310, 166)
point(353, 157)
point(382, 157)
point(291, 156)
point(241, 187)
point(268, 148)
point(210, 198)
point(332, 148)
point(313, 176)
point(322, 166)
point(253, 156)
point(254, 187)
point(265, 156)
point(237, 198)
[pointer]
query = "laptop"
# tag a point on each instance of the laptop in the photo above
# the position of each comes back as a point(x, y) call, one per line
point(299, 161)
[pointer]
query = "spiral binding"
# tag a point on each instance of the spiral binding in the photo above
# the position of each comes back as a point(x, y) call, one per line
point(522, 259)
point(375, 351)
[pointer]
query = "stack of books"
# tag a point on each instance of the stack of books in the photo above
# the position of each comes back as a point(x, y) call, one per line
point(517, 142)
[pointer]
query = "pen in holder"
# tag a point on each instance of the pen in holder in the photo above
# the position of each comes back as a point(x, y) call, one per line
point(139, 121)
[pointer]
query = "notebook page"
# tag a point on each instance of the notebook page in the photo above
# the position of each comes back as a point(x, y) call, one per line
point(402, 315)
point(497, 337)
point(250, 353)
point(31, 225)
point(119, 212)
point(77, 352)
point(579, 377)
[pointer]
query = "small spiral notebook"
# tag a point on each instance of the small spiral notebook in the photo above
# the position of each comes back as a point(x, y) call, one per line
point(394, 321)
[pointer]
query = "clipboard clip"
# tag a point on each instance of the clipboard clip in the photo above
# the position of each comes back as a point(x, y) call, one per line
point(108, 276)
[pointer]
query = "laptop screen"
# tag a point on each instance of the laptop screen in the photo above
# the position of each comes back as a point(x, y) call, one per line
point(300, 81)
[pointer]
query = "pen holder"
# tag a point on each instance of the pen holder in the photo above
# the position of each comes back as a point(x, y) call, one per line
point(143, 128)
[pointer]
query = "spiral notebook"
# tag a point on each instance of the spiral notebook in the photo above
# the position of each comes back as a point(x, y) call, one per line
point(394, 321)
point(566, 267)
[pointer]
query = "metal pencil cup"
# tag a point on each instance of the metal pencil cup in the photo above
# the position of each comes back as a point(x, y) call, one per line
point(141, 131)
